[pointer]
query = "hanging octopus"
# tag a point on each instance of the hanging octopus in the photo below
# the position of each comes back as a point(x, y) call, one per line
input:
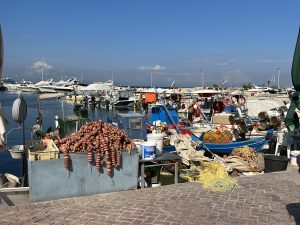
point(98, 161)
point(66, 161)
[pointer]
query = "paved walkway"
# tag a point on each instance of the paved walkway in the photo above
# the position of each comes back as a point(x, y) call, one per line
point(272, 198)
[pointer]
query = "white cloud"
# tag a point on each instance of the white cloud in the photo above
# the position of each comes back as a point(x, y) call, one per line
point(39, 66)
point(152, 68)
point(223, 63)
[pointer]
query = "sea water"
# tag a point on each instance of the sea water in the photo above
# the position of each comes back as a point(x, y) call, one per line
point(49, 109)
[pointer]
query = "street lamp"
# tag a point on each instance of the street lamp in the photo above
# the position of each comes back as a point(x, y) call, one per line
point(151, 81)
point(201, 71)
point(151, 78)
point(278, 68)
point(42, 72)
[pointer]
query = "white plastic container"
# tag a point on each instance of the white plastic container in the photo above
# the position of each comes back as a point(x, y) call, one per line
point(148, 149)
point(294, 155)
point(16, 151)
point(159, 140)
point(138, 143)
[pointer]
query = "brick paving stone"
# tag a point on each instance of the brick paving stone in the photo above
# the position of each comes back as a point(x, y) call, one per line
point(272, 198)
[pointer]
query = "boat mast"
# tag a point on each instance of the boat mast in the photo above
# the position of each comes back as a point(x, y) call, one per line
point(202, 80)
point(42, 72)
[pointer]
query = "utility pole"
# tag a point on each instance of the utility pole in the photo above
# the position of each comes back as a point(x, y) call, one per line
point(42, 72)
point(201, 71)
point(278, 68)
point(151, 79)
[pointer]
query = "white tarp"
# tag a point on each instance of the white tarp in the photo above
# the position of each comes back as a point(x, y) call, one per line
point(3, 126)
point(256, 106)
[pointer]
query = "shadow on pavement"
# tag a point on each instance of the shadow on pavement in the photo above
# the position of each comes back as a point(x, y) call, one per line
point(294, 210)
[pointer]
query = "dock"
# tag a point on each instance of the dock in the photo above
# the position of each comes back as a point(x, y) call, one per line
point(272, 198)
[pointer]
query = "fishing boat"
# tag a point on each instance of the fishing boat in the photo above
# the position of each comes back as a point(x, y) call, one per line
point(226, 148)
point(122, 97)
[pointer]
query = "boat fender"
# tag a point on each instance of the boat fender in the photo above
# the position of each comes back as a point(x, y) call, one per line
point(12, 178)
point(227, 101)
point(19, 110)
point(39, 118)
point(196, 111)
point(242, 101)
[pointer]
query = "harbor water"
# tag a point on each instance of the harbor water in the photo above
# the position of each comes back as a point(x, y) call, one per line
point(49, 109)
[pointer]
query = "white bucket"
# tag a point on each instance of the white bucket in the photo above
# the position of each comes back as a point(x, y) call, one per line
point(148, 149)
point(137, 143)
point(159, 139)
point(294, 155)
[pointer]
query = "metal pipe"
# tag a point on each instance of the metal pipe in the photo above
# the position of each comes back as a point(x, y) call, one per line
point(171, 118)
point(176, 172)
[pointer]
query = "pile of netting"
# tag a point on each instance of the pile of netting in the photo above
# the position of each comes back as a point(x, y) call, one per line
point(215, 177)
point(243, 159)
point(221, 135)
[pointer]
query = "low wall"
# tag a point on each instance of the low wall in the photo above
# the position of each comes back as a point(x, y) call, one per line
point(49, 180)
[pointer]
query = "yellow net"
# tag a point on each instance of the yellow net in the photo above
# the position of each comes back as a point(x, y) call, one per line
point(215, 177)
point(222, 135)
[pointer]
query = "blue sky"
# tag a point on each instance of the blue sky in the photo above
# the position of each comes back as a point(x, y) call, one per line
point(236, 40)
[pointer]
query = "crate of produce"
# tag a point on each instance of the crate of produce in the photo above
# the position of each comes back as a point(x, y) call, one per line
point(44, 150)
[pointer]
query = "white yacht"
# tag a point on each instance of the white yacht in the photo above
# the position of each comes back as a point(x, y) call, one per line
point(259, 89)
point(9, 84)
point(27, 86)
point(60, 86)
point(123, 97)
point(96, 88)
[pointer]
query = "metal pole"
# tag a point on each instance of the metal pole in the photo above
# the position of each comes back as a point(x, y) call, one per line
point(142, 175)
point(172, 120)
point(176, 172)
point(151, 78)
point(278, 77)
point(42, 72)
point(23, 166)
point(202, 79)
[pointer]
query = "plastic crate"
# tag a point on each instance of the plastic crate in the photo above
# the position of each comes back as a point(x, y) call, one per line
point(38, 152)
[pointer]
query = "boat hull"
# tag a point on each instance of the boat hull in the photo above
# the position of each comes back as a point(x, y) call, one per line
point(255, 143)
point(124, 103)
